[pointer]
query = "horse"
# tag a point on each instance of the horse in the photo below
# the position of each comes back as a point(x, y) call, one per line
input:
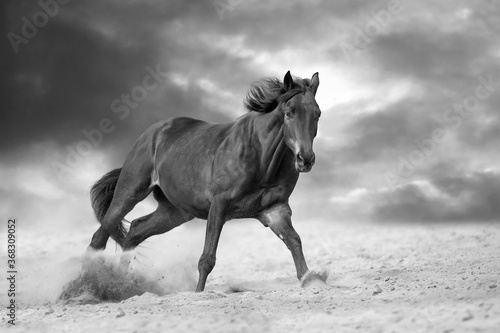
point(247, 168)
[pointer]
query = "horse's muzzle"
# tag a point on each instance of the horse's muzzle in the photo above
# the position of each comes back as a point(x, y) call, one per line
point(304, 162)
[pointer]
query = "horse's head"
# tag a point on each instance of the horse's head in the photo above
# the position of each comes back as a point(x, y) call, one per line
point(301, 114)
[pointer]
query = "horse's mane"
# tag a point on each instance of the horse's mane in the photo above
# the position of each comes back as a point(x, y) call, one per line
point(265, 94)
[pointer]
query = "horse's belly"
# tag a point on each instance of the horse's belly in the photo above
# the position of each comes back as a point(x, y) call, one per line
point(187, 192)
point(196, 200)
point(185, 179)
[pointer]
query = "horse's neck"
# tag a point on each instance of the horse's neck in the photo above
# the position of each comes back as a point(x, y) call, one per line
point(273, 145)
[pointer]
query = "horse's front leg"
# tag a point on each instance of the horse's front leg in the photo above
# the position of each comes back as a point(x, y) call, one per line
point(278, 218)
point(215, 222)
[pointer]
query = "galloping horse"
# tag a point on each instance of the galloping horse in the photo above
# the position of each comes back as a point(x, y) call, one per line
point(244, 169)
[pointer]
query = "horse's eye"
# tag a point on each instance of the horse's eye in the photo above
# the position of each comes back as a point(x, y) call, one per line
point(288, 114)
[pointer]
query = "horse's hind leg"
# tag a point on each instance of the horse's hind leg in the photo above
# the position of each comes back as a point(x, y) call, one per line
point(133, 186)
point(165, 218)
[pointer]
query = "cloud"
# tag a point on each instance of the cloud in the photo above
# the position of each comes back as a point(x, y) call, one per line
point(385, 133)
point(447, 195)
point(462, 197)
point(65, 78)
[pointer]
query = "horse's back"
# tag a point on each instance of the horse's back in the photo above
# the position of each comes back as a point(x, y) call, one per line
point(178, 134)
point(181, 139)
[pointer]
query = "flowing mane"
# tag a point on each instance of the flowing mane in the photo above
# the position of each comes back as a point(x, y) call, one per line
point(265, 95)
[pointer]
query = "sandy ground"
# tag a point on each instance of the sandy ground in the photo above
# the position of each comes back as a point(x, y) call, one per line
point(383, 278)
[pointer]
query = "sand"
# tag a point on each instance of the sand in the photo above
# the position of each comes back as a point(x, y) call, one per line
point(383, 278)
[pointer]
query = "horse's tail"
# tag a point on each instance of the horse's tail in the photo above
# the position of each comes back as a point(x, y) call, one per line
point(101, 195)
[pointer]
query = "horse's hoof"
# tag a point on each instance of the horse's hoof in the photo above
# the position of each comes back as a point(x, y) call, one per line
point(314, 279)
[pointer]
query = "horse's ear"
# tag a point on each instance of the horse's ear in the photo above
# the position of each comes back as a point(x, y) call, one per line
point(288, 81)
point(314, 83)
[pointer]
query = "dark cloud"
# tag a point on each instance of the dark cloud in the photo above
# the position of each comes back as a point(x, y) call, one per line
point(454, 197)
point(391, 131)
point(436, 57)
point(66, 77)
point(298, 25)
point(482, 129)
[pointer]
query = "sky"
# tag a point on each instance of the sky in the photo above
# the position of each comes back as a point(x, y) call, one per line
point(409, 93)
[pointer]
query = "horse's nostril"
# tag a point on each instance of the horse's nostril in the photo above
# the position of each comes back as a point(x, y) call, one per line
point(300, 158)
